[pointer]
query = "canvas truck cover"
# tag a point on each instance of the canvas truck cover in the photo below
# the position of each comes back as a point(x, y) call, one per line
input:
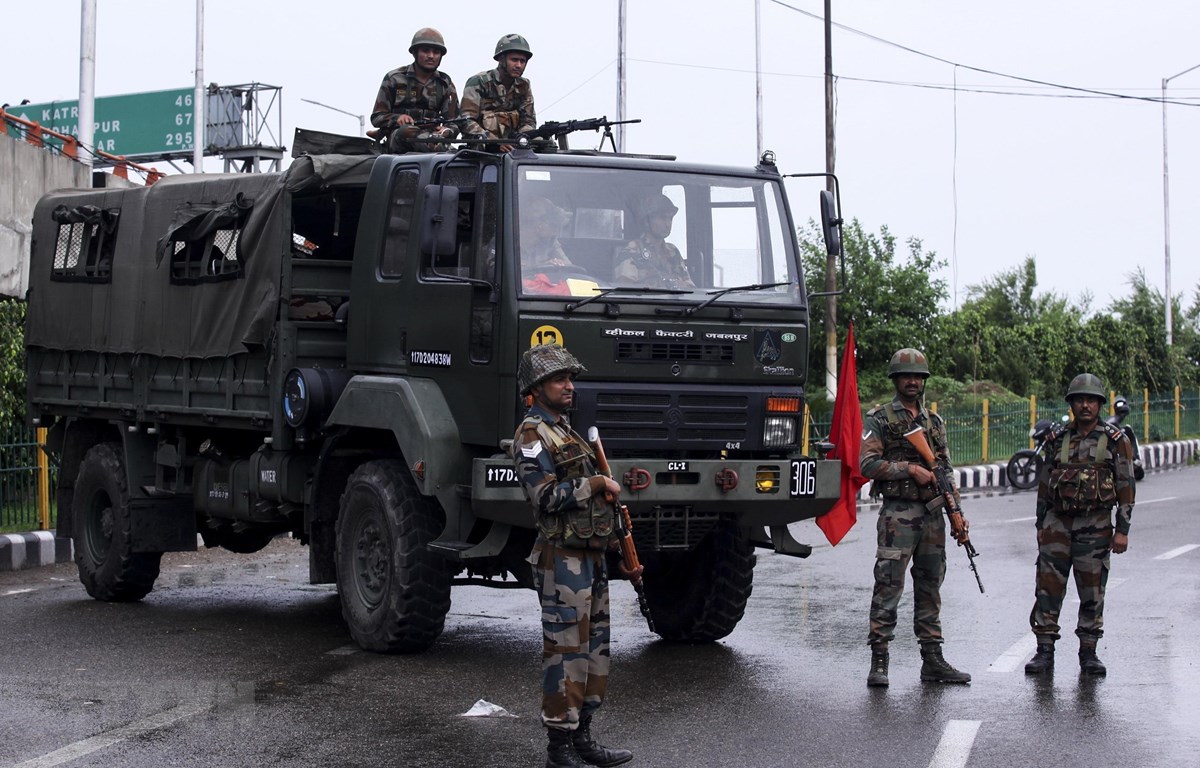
point(138, 294)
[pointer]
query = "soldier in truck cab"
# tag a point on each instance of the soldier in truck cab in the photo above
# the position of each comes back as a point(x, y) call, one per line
point(498, 103)
point(540, 223)
point(417, 92)
point(650, 260)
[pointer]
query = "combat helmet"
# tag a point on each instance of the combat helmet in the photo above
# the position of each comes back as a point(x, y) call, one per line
point(511, 44)
point(1087, 384)
point(430, 37)
point(655, 203)
point(908, 360)
point(543, 361)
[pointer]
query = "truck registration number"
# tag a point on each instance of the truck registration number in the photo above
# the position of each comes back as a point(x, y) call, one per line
point(804, 478)
point(500, 476)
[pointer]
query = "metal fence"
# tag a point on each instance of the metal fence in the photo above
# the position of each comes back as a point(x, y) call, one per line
point(987, 434)
point(25, 482)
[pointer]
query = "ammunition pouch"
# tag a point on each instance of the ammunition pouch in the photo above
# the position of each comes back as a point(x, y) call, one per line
point(1083, 488)
point(905, 489)
point(500, 123)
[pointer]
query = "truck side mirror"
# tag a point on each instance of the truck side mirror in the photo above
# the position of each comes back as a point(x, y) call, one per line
point(831, 224)
point(439, 220)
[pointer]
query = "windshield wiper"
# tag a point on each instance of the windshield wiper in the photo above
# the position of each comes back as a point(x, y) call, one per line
point(623, 289)
point(714, 295)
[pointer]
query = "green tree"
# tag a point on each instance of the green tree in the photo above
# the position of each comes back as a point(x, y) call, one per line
point(891, 296)
point(12, 363)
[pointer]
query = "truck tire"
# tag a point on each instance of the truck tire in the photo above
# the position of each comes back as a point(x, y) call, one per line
point(395, 591)
point(108, 567)
point(700, 596)
point(1023, 469)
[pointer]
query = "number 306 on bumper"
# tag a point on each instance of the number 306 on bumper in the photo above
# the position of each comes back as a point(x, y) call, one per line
point(804, 478)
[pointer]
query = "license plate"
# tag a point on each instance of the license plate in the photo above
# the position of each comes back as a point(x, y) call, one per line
point(500, 476)
point(804, 478)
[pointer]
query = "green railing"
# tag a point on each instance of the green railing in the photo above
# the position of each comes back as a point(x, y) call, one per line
point(26, 481)
point(988, 434)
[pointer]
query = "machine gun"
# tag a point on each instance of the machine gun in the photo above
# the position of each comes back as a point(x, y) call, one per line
point(945, 487)
point(559, 131)
point(624, 529)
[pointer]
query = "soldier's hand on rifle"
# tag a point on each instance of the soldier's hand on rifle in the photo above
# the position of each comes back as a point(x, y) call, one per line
point(960, 529)
point(633, 574)
point(920, 475)
point(612, 487)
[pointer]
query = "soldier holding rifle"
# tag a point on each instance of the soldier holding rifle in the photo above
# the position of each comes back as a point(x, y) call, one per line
point(413, 100)
point(908, 529)
point(577, 526)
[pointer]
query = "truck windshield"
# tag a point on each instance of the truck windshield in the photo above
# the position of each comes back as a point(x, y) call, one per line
point(581, 230)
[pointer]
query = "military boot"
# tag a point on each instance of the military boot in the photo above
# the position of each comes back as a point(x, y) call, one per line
point(1042, 661)
point(1089, 663)
point(878, 676)
point(936, 669)
point(592, 753)
point(560, 753)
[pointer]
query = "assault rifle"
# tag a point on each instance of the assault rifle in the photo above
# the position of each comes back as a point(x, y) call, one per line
point(945, 487)
point(550, 130)
point(624, 529)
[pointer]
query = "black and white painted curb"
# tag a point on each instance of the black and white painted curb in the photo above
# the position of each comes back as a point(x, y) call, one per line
point(1154, 456)
point(32, 550)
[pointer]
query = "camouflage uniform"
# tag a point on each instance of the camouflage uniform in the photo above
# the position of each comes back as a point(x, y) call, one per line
point(576, 526)
point(907, 530)
point(401, 93)
point(1082, 478)
point(653, 262)
point(495, 110)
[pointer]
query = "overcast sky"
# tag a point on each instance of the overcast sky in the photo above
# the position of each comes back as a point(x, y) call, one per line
point(983, 178)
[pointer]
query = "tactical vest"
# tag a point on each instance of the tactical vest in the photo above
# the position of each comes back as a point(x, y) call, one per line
point(1083, 487)
point(896, 448)
point(588, 527)
point(413, 90)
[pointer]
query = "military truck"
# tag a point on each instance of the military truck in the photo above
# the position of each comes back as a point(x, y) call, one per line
point(331, 353)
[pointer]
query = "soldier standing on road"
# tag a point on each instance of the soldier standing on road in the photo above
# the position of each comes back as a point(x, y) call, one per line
point(576, 526)
point(499, 102)
point(417, 92)
point(650, 259)
point(907, 529)
point(1087, 469)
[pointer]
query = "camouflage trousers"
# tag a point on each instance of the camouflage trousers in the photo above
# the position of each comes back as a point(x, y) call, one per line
point(573, 587)
point(1081, 543)
point(908, 532)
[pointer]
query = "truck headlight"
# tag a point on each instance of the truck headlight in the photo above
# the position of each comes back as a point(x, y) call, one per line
point(779, 431)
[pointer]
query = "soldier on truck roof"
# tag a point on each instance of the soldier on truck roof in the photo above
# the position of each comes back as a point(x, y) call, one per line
point(417, 93)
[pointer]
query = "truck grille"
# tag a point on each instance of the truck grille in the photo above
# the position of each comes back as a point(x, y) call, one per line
point(673, 351)
point(671, 528)
point(654, 417)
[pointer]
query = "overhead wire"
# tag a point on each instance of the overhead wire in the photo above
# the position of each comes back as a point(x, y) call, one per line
point(982, 70)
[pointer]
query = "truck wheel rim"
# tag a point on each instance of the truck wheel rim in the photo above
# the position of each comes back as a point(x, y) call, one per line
point(100, 526)
point(371, 563)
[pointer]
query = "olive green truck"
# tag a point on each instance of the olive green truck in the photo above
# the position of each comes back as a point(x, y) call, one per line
point(331, 353)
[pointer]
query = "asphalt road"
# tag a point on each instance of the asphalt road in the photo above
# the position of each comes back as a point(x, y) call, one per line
point(234, 660)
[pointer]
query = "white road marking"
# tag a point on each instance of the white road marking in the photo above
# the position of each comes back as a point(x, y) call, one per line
point(954, 749)
point(343, 650)
point(1016, 655)
point(18, 591)
point(1177, 551)
point(1021, 519)
point(100, 741)
point(1155, 501)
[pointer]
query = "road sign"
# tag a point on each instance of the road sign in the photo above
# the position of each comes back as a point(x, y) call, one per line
point(153, 123)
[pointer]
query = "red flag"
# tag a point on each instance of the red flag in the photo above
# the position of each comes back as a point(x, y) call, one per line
point(846, 435)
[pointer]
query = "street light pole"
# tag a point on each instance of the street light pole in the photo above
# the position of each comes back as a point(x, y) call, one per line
point(362, 119)
point(1167, 206)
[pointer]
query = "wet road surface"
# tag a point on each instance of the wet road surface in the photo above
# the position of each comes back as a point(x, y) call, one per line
point(235, 660)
